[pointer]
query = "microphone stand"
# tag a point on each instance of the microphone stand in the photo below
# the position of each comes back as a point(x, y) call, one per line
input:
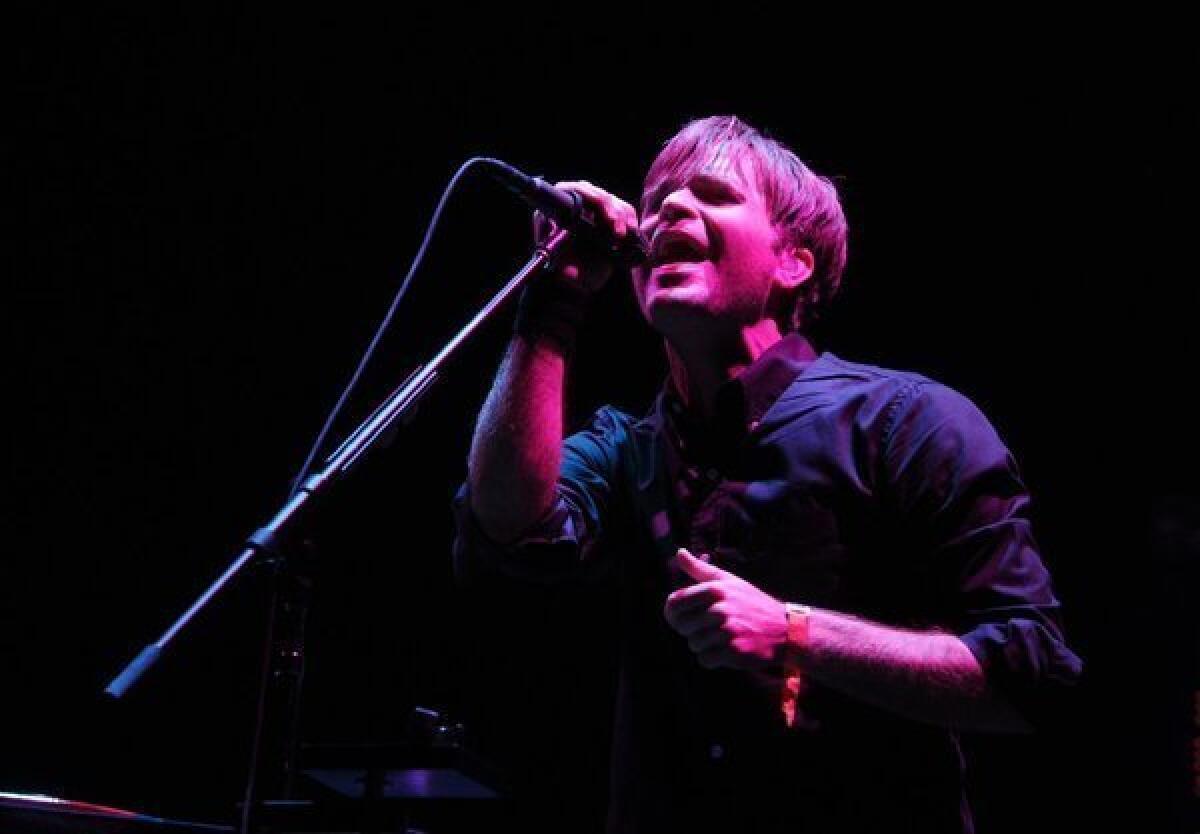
point(283, 660)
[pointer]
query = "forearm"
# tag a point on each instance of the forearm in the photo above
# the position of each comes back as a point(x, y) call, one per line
point(516, 450)
point(926, 676)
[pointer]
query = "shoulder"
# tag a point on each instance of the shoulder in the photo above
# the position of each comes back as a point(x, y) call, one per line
point(895, 406)
point(930, 424)
point(605, 434)
point(621, 424)
point(905, 391)
point(609, 418)
point(869, 396)
point(830, 368)
point(611, 444)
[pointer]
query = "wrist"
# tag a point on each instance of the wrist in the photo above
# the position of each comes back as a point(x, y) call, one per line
point(550, 312)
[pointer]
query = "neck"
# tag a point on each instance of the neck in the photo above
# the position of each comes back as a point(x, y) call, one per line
point(698, 370)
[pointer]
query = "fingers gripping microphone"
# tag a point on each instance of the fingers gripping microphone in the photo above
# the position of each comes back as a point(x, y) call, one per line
point(568, 210)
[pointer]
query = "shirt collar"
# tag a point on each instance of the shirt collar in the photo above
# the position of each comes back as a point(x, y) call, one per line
point(742, 401)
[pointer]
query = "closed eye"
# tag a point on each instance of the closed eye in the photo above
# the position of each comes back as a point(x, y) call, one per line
point(713, 189)
point(708, 188)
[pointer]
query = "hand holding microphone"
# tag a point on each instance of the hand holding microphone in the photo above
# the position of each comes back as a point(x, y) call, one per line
point(604, 232)
point(611, 237)
point(604, 227)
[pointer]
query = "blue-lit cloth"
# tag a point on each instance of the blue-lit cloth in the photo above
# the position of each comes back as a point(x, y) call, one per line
point(830, 483)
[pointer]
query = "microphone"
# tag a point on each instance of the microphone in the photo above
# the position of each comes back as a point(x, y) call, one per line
point(569, 211)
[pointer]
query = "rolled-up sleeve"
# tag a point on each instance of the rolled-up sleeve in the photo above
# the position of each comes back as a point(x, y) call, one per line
point(959, 486)
point(569, 534)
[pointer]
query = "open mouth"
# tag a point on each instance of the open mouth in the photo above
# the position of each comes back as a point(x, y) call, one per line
point(675, 248)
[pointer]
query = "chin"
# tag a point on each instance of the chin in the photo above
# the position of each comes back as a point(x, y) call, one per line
point(672, 312)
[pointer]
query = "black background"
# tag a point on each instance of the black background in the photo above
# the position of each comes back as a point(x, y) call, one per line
point(214, 210)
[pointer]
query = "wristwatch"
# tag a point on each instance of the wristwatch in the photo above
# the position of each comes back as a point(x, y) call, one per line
point(797, 624)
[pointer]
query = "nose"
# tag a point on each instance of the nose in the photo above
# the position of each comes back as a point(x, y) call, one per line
point(675, 205)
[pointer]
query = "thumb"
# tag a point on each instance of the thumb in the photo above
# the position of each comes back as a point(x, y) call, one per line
point(697, 569)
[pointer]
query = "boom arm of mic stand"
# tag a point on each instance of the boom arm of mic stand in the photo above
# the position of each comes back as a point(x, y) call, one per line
point(266, 539)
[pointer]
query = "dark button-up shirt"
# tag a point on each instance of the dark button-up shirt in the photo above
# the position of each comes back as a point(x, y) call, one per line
point(840, 485)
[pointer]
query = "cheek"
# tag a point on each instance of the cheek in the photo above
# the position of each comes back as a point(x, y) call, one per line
point(750, 255)
point(744, 284)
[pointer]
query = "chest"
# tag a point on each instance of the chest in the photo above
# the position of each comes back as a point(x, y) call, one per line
point(796, 510)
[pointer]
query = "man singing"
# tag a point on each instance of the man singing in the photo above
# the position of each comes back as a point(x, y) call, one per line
point(827, 568)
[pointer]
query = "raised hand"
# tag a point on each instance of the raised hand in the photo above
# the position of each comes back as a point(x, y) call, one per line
point(727, 622)
point(589, 273)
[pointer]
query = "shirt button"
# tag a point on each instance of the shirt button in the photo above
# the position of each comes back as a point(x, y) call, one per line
point(712, 474)
point(754, 425)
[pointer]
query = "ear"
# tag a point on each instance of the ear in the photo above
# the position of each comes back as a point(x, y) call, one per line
point(795, 267)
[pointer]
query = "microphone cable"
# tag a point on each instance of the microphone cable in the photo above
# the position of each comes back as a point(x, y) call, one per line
point(386, 323)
